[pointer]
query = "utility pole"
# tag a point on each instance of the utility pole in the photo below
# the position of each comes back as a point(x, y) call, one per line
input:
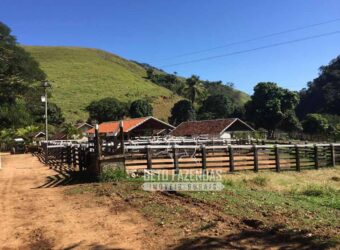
point(46, 117)
point(45, 85)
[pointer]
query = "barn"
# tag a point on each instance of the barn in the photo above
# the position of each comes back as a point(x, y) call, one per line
point(137, 127)
point(220, 128)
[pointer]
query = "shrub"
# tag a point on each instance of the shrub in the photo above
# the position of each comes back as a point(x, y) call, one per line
point(229, 183)
point(314, 190)
point(140, 108)
point(112, 175)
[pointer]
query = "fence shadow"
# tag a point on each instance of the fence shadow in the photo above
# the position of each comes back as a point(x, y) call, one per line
point(64, 174)
point(255, 239)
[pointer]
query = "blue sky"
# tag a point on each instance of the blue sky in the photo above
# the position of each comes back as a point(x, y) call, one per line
point(154, 30)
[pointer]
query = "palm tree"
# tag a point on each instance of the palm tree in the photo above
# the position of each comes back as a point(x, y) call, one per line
point(194, 89)
point(70, 131)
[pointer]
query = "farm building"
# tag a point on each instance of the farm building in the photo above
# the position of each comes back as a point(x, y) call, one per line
point(36, 137)
point(220, 128)
point(144, 126)
point(83, 128)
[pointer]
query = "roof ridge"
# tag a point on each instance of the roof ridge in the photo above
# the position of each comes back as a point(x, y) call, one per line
point(208, 120)
point(130, 119)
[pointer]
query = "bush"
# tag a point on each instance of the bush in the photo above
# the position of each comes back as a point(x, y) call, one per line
point(140, 108)
point(216, 107)
point(229, 183)
point(314, 190)
point(107, 109)
point(315, 124)
point(112, 175)
point(182, 111)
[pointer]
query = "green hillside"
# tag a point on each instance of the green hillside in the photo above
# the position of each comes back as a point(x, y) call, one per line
point(81, 75)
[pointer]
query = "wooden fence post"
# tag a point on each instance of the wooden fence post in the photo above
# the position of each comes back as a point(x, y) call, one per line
point(69, 154)
point(97, 150)
point(74, 156)
point(231, 159)
point(256, 158)
point(148, 157)
point(46, 153)
point(277, 158)
point(80, 158)
point(204, 159)
point(175, 156)
point(316, 156)
point(297, 158)
point(332, 155)
point(121, 133)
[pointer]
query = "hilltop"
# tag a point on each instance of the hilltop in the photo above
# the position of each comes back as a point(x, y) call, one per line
point(82, 75)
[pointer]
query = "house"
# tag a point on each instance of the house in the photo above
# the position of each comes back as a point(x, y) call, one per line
point(136, 127)
point(59, 136)
point(36, 137)
point(83, 127)
point(220, 128)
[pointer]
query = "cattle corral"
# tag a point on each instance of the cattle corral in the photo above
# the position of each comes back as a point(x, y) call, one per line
point(203, 155)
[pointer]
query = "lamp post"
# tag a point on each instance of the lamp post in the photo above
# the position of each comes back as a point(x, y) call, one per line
point(45, 85)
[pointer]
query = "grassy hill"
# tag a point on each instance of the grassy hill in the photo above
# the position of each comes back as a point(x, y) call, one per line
point(81, 75)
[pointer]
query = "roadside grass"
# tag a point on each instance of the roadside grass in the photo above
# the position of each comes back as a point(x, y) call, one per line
point(112, 175)
point(80, 189)
point(307, 203)
point(308, 200)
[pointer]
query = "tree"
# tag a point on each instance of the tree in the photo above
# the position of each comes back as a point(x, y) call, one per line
point(18, 70)
point(216, 106)
point(269, 105)
point(182, 111)
point(150, 73)
point(107, 109)
point(315, 124)
point(70, 131)
point(140, 108)
point(290, 122)
point(14, 115)
point(27, 132)
point(195, 89)
point(323, 93)
point(55, 115)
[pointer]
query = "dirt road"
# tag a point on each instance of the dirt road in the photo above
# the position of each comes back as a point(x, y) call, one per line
point(35, 215)
point(36, 212)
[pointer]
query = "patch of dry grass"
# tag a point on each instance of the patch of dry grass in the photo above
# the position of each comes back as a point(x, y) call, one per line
point(286, 181)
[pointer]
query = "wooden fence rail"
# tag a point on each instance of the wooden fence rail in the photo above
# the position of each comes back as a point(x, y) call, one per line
point(203, 158)
point(231, 157)
point(76, 156)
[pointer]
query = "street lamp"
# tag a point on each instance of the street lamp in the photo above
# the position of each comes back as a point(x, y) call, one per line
point(45, 85)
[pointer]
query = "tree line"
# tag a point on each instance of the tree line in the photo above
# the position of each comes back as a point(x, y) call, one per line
point(313, 110)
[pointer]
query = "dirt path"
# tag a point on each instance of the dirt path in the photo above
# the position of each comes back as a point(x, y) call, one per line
point(35, 217)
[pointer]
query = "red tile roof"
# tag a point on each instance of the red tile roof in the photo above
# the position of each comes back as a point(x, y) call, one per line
point(207, 127)
point(113, 127)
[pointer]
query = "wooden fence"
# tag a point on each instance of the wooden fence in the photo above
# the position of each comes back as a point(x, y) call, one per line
point(203, 157)
point(76, 156)
point(232, 157)
point(207, 142)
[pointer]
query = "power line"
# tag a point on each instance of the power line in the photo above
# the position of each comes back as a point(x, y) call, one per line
point(253, 49)
point(252, 39)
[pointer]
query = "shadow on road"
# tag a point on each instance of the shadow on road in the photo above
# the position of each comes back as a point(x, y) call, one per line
point(255, 239)
point(64, 174)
